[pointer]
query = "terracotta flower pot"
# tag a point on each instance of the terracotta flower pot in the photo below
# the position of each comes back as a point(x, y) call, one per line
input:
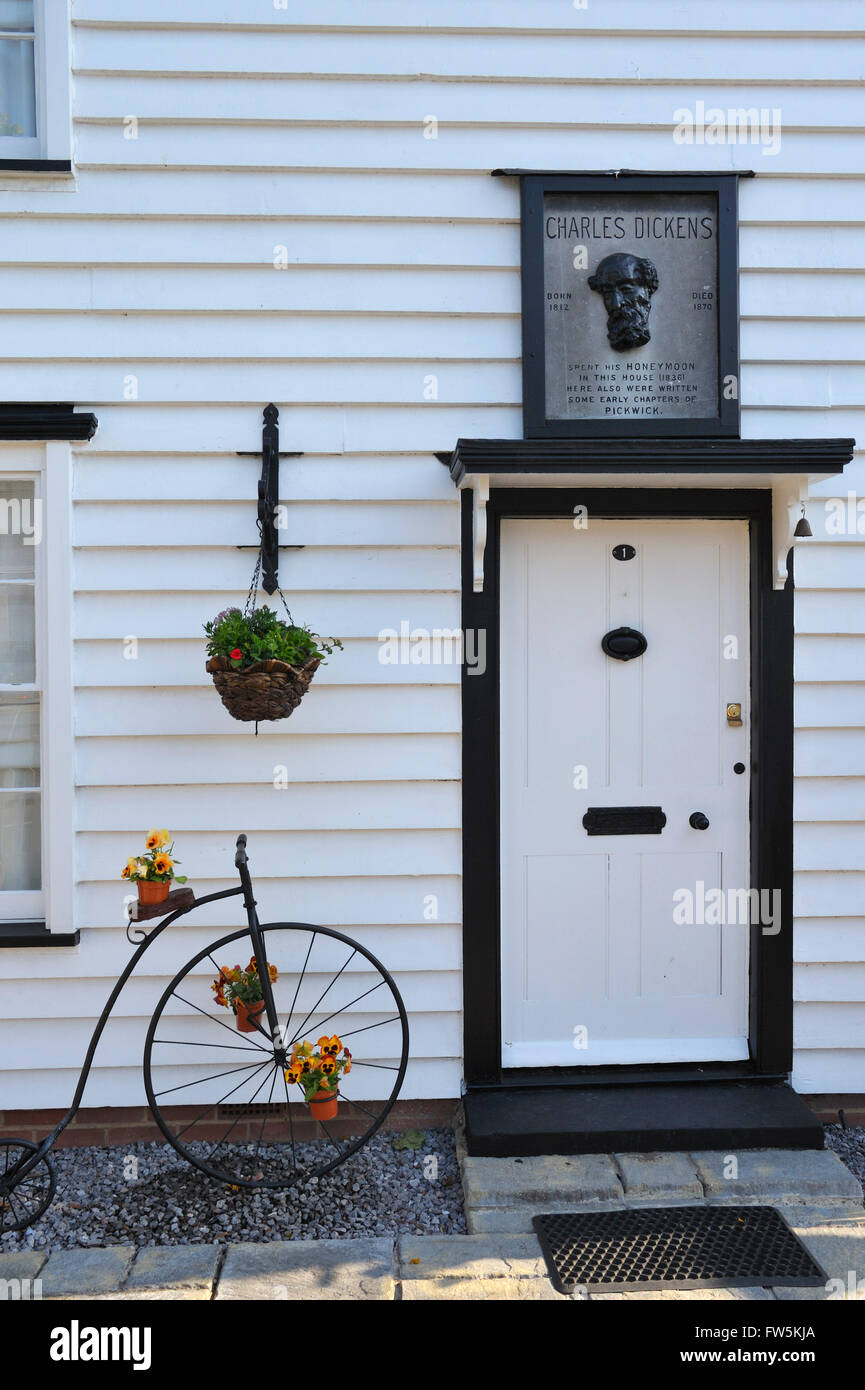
point(150, 891)
point(323, 1105)
point(244, 1012)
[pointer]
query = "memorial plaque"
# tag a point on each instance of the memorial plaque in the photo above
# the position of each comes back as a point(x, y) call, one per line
point(629, 307)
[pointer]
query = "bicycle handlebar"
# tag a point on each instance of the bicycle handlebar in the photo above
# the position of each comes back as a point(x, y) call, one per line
point(240, 858)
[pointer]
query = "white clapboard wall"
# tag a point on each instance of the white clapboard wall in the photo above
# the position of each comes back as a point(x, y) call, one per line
point(149, 294)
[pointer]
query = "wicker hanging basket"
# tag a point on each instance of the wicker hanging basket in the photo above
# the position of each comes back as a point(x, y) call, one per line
point(265, 690)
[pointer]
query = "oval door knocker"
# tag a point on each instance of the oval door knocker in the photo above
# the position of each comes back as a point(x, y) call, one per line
point(624, 643)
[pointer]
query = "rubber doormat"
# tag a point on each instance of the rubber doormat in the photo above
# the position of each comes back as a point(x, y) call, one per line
point(674, 1248)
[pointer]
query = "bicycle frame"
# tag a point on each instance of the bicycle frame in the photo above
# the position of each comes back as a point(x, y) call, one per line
point(241, 863)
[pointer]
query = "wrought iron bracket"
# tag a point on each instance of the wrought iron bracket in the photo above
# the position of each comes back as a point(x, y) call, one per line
point(268, 500)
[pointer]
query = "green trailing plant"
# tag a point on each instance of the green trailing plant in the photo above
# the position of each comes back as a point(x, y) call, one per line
point(246, 638)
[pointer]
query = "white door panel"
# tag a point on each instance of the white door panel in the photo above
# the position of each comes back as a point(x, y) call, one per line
point(590, 949)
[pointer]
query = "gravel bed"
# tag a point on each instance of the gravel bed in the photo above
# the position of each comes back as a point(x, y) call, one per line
point(380, 1191)
point(849, 1145)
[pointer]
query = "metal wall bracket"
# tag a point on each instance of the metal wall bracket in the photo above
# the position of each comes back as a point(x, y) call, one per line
point(268, 500)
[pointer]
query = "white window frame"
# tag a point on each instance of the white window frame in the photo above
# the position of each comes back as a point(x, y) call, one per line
point(50, 467)
point(53, 60)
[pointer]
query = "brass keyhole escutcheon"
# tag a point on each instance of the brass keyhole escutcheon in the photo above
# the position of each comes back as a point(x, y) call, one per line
point(734, 716)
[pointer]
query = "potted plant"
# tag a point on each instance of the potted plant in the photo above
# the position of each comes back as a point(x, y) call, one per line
point(262, 666)
point(153, 871)
point(240, 991)
point(318, 1072)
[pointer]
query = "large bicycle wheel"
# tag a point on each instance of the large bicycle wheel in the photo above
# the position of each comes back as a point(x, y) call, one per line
point(220, 1096)
point(23, 1199)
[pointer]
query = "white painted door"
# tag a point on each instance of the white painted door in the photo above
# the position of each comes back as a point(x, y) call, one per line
point(598, 965)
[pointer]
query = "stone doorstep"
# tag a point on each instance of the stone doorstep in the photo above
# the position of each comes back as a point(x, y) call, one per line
point(594, 1180)
point(508, 1182)
point(795, 1175)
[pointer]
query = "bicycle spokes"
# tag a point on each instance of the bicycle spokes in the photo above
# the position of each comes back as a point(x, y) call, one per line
point(25, 1193)
point(221, 1096)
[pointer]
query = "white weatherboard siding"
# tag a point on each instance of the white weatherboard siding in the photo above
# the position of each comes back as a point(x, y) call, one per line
point(156, 271)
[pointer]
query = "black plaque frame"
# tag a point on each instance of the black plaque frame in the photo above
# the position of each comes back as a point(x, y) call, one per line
point(534, 188)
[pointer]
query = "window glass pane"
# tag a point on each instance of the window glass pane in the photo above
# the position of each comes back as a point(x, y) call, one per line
point(19, 741)
point(17, 644)
point(17, 87)
point(18, 528)
point(20, 842)
point(17, 15)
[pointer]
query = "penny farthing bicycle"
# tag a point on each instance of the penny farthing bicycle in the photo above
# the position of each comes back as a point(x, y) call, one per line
point(221, 1096)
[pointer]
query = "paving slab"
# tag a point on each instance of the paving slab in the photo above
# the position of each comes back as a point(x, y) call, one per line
point(19, 1270)
point(482, 1290)
point(471, 1257)
point(307, 1269)
point(580, 1178)
point(174, 1271)
point(839, 1246)
point(22, 1264)
point(777, 1175)
point(664, 1177)
point(518, 1219)
point(78, 1273)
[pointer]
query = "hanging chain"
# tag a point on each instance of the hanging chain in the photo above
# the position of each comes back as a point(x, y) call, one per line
point(249, 606)
point(285, 605)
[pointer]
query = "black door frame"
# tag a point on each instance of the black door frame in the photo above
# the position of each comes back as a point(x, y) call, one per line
point(771, 816)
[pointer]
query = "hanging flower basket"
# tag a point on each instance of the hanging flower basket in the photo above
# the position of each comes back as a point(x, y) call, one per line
point(265, 690)
point(262, 665)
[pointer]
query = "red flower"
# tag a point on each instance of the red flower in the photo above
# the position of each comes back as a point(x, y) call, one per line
point(236, 654)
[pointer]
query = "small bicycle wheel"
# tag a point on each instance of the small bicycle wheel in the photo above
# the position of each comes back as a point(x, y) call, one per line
point(23, 1199)
point(220, 1096)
